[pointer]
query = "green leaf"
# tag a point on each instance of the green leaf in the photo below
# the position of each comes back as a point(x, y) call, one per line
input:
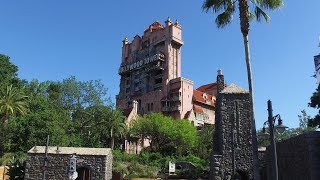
point(260, 13)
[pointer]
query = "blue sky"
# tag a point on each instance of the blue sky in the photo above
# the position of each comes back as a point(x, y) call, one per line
point(52, 40)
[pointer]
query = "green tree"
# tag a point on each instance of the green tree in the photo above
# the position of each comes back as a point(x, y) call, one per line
point(99, 126)
point(117, 126)
point(166, 135)
point(315, 103)
point(32, 129)
point(12, 102)
point(225, 10)
point(45, 117)
point(82, 94)
point(304, 118)
point(8, 71)
point(106, 124)
point(185, 136)
point(205, 144)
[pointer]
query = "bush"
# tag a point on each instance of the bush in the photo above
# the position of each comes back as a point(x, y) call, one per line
point(136, 165)
point(16, 163)
point(152, 159)
point(148, 164)
point(137, 170)
point(196, 161)
point(119, 156)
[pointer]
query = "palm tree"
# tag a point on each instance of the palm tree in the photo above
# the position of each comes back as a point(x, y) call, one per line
point(12, 102)
point(117, 126)
point(225, 10)
point(109, 122)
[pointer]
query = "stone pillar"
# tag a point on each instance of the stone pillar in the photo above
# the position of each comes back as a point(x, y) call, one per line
point(233, 150)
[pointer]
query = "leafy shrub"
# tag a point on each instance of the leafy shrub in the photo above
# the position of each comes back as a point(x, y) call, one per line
point(136, 165)
point(16, 163)
point(119, 156)
point(137, 170)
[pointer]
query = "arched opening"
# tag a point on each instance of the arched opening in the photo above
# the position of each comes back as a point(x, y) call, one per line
point(84, 173)
point(241, 175)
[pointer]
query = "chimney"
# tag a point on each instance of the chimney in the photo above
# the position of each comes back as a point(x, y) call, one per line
point(220, 81)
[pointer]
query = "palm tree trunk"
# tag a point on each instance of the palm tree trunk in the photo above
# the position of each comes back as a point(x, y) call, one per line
point(253, 123)
point(112, 142)
point(244, 26)
point(3, 130)
point(112, 139)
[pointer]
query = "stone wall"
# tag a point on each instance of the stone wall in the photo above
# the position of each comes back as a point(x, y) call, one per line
point(97, 160)
point(298, 158)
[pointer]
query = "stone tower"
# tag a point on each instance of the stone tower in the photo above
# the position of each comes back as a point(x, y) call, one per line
point(233, 149)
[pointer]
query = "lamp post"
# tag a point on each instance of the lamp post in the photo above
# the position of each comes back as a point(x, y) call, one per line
point(280, 128)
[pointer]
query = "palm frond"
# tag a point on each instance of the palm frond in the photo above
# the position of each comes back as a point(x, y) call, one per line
point(223, 19)
point(270, 4)
point(260, 13)
point(215, 5)
point(259, 6)
point(13, 102)
point(251, 16)
point(224, 9)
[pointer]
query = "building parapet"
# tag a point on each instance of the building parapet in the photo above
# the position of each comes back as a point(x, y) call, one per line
point(180, 79)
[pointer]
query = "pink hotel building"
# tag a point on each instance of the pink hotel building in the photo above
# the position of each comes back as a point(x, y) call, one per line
point(151, 79)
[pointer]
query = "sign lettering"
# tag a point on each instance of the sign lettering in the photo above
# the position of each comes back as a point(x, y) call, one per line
point(140, 63)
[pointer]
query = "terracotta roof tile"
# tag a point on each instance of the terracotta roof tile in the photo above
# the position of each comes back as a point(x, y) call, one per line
point(198, 96)
point(208, 87)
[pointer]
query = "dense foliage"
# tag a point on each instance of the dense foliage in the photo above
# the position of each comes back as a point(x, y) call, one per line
point(166, 136)
point(170, 140)
point(72, 112)
point(78, 113)
point(315, 103)
point(153, 164)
